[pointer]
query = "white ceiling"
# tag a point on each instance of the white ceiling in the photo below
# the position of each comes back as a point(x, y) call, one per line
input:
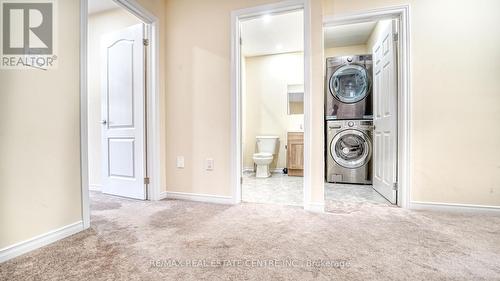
point(273, 34)
point(348, 35)
point(96, 6)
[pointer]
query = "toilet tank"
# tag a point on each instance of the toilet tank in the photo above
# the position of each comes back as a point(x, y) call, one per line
point(267, 144)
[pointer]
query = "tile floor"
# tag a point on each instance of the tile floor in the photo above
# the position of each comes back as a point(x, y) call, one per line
point(284, 190)
point(277, 189)
point(348, 198)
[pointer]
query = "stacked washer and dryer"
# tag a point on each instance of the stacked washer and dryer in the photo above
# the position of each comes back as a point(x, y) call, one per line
point(349, 119)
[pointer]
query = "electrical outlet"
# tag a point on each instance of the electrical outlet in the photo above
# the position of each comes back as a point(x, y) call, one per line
point(180, 162)
point(209, 164)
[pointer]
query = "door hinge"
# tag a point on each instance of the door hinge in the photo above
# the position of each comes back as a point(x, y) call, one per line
point(146, 180)
point(241, 41)
point(395, 186)
point(145, 42)
point(395, 37)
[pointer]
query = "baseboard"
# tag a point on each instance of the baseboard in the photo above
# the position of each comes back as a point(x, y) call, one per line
point(95, 187)
point(453, 207)
point(315, 207)
point(163, 195)
point(39, 241)
point(248, 169)
point(275, 171)
point(200, 197)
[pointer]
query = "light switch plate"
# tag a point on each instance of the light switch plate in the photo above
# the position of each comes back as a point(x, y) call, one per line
point(209, 164)
point(180, 161)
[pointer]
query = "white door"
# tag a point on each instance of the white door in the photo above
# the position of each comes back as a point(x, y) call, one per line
point(123, 92)
point(385, 89)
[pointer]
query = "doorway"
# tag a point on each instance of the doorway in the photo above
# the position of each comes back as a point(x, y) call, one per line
point(272, 87)
point(120, 109)
point(367, 109)
point(116, 71)
point(270, 103)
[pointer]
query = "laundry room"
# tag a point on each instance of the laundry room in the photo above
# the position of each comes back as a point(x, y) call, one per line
point(361, 113)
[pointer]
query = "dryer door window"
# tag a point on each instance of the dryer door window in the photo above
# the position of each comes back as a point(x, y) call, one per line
point(350, 83)
point(351, 149)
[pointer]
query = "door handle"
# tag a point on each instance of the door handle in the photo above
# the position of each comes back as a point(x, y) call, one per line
point(104, 122)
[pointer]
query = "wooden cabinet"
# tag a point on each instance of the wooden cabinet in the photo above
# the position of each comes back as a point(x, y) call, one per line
point(295, 154)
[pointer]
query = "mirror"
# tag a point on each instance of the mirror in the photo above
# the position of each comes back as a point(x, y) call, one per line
point(295, 99)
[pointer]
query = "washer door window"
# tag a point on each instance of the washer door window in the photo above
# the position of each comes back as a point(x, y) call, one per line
point(351, 149)
point(350, 83)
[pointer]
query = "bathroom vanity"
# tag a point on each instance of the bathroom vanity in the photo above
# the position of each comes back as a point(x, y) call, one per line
point(295, 154)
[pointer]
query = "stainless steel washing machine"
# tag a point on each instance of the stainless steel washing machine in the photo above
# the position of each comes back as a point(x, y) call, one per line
point(349, 151)
point(348, 89)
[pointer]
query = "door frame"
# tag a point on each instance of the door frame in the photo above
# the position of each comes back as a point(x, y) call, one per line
point(404, 86)
point(236, 146)
point(152, 96)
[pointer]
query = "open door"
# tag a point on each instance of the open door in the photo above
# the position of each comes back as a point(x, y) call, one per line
point(123, 92)
point(385, 89)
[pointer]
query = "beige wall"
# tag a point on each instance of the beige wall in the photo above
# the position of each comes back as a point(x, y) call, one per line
point(198, 75)
point(455, 97)
point(347, 50)
point(266, 98)
point(40, 141)
point(99, 25)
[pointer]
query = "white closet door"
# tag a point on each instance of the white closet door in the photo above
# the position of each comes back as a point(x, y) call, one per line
point(385, 91)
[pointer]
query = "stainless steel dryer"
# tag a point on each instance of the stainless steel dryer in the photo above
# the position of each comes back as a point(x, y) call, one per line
point(348, 89)
point(349, 151)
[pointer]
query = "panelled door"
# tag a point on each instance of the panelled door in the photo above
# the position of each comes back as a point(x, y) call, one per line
point(123, 92)
point(385, 89)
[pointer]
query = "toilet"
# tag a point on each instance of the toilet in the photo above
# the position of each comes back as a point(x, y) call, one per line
point(266, 148)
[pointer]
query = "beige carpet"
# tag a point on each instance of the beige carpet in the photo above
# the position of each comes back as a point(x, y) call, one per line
point(266, 242)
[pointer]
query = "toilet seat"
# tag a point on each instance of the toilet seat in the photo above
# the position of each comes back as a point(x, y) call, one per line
point(262, 155)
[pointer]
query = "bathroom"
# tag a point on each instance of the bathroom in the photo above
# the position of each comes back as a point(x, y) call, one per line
point(272, 106)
